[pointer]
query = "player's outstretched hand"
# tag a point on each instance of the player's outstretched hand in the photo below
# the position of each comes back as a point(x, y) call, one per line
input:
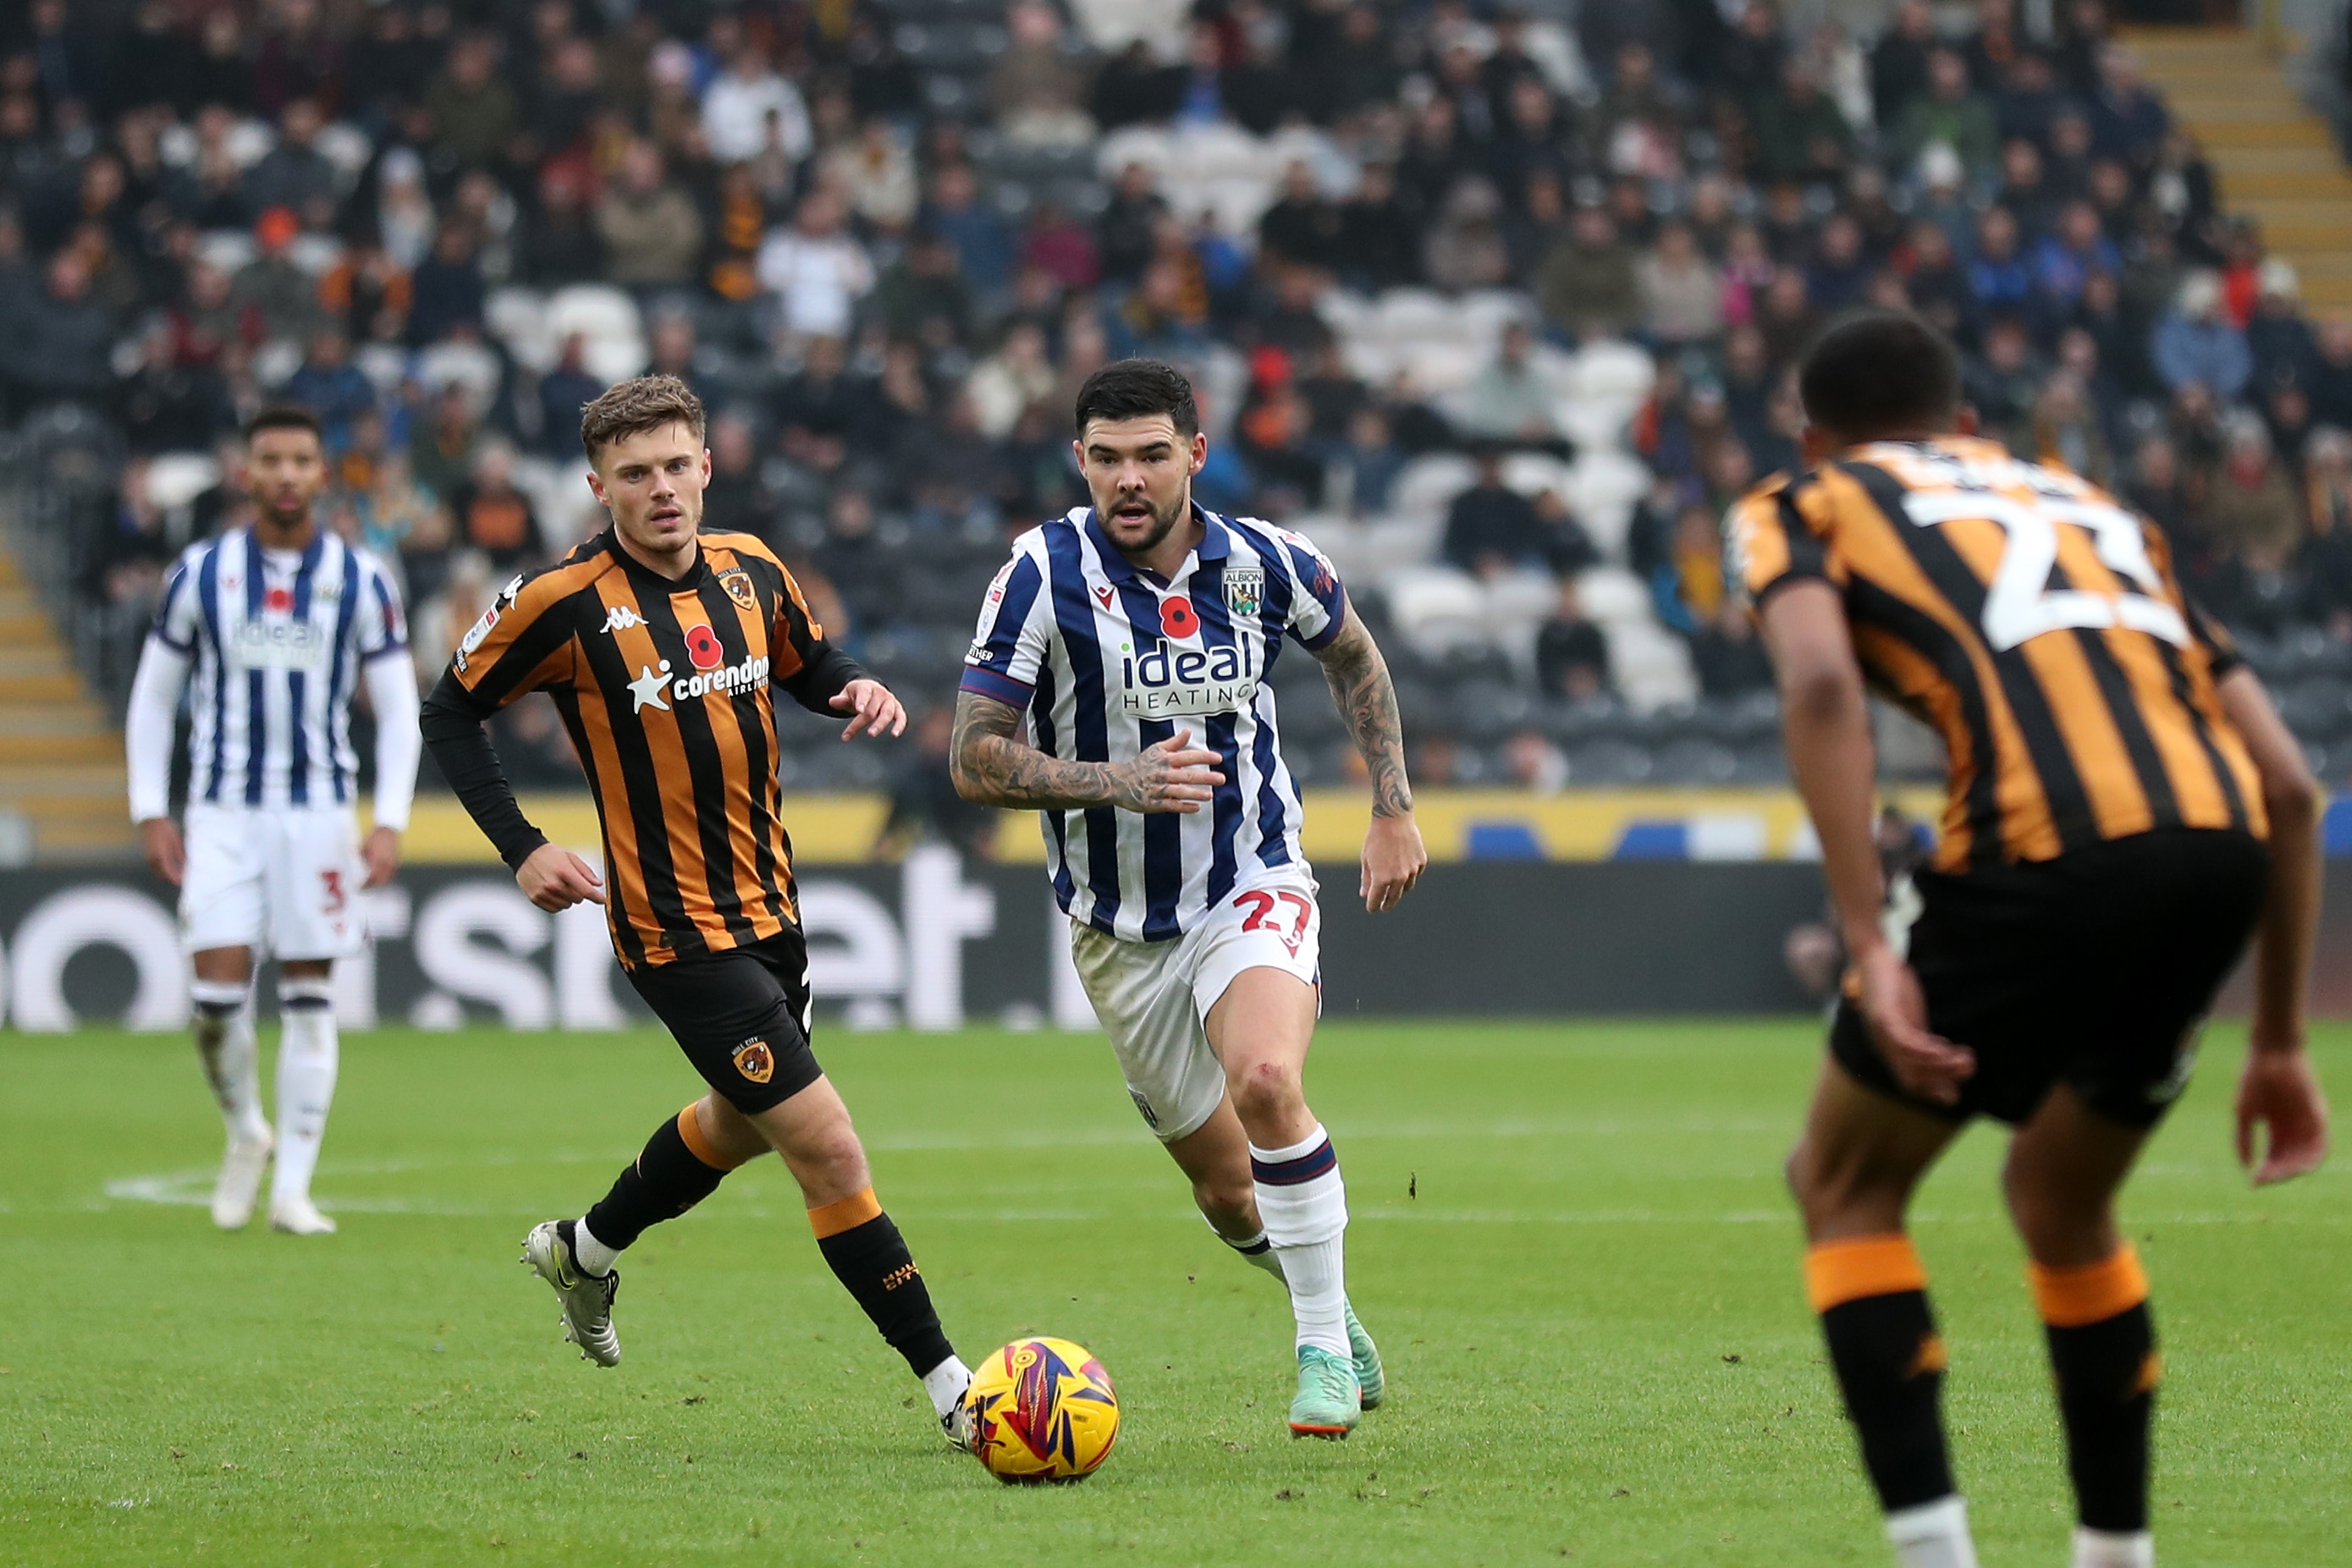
point(1173, 776)
point(1393, 860)
point(555, 879)
point(167, 857)
point(2280, 1091)
point(871, 707)
point(1895, 1009)
point(382, 852)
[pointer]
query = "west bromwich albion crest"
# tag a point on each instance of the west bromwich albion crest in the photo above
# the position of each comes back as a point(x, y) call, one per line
point(1244, 587)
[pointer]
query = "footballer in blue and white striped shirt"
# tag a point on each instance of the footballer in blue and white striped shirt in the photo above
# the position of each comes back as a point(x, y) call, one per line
point(1135, 637)
point(279, 623)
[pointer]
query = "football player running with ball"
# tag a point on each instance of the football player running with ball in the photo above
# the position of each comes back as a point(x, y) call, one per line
point(1133, 639)
point(663, 647)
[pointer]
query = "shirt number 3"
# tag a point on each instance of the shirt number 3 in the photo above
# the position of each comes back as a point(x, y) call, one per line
point(2021, 604)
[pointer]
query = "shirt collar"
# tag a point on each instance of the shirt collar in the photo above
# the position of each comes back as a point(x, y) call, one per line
point(645, 576)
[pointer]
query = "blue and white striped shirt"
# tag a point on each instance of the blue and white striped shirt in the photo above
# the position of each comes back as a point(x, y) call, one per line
point(1108, 660)
point(277, 638)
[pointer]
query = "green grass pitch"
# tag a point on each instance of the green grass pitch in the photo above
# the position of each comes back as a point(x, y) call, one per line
point(1571, 1240)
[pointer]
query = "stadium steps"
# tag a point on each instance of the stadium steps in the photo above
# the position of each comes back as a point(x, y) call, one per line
point(61, 772)
point(2275, 160)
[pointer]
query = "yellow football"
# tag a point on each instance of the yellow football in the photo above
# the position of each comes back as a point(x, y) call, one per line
point(1043, 1410)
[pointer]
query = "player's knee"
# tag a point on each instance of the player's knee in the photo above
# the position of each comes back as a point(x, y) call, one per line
point(1263, 1089)
point(1228, 1202)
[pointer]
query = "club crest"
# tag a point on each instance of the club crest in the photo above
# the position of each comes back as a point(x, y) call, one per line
point(738, 584)
point(755, 1062)
point(1244, 587)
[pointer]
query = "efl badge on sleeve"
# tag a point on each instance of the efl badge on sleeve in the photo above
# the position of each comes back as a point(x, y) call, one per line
point(738, 584)
point(1244, 587)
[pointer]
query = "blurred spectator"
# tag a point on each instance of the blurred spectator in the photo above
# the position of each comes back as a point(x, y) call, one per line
point(491, 514)
point(1682, 291)
point(1587, 284)
point(1379, 243)
point(1729, 660)
point(736, 499)
point(1571, 653)
point(294, 175)
point(1949, 114)
point(1898, 60)
point(1037, 91)
point(972, 229)
point(817, 267)
point(65, 347)
point(2196, 346)
point(2066, 430)
point(1006, 382)
point(282, 298)
point(923, 297)
point(1302, 226)
point(167, 406)
point(472, 111)
point(1366, 467)
point(749, 103)
point(448, 292)
point(876, 173)
point(441, 449)
point(1800, 133)
point(331, 387)
point(1465, 247)
point(1491, 529)
point(1509, 400)
point(650, 228)
point(2250, 511)
point(1534, 764)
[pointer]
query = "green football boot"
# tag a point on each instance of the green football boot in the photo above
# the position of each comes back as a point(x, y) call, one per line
point(1328, 1400)
point(1369, 1378)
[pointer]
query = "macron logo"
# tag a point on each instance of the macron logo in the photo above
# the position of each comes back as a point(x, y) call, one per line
point(621, 617)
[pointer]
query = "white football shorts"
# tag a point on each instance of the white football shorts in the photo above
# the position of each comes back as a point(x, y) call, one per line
point(1152, 997)
point(284, 880)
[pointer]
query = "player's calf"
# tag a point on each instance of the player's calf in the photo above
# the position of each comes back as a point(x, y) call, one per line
point(1871, 1295)
point(2103, 1359)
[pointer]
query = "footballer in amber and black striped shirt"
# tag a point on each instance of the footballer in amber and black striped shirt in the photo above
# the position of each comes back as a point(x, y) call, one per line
point(2126, 812)
point(662, 647)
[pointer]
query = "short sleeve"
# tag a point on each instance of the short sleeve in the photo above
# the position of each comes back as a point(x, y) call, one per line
point(522, 643)
point(383, 627)
point(179, 618)
point(1769, 540)
point(1319, 601)
point(1016, 628)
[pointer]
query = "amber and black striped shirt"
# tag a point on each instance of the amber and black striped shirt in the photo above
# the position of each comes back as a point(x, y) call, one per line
point(2034, 622)
point(666, 689)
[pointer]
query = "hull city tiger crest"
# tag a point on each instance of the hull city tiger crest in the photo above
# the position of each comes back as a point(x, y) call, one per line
point(738, 584)
point(755, 1062)
point(1244, 587)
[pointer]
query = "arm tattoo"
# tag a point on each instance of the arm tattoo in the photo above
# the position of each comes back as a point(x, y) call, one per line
point(1366, 697)
point(992, 768)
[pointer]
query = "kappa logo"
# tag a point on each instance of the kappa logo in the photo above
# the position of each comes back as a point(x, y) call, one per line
point(513, 589)
point(738, 584)
point(755, 1062)
point(622, 618)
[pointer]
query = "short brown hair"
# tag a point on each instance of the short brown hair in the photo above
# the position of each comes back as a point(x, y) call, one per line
point(633, 407)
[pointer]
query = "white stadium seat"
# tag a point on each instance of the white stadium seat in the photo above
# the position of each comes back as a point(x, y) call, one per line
point(1436, 609)
point(176, 478)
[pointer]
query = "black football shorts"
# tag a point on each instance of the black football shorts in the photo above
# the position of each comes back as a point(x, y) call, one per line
point(742, 1017)
point(2094, 970)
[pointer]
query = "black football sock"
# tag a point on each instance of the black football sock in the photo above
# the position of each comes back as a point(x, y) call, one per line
point(870, 1258)
point(2103, 1359)
point(676, 1169)
point(1871, 1295)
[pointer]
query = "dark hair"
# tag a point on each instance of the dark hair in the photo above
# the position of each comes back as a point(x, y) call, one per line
point(633, 407)
point(1137, 389)
point(1873, 371)
point(284, 416)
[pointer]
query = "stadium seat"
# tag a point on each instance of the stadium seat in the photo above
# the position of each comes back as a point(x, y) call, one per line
point(608, 319)
point(472, 366)
point(1436, 608)
point(1427, 483)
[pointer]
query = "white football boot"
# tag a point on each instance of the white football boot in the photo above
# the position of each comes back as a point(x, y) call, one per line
point(586, 1299)
point(238, 1187)
point(298, 1217)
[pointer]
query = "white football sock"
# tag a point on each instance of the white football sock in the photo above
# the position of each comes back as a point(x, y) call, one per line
point(593, 1256)
point(223, 1030)
point(945, 1384)
point(1303, 1205)
point(1933, 1535)
point(307, 1054)
point(2114, 1549)
point(1258, 1253)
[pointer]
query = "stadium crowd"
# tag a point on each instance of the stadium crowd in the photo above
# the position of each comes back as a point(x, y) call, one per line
point(1500, 304)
